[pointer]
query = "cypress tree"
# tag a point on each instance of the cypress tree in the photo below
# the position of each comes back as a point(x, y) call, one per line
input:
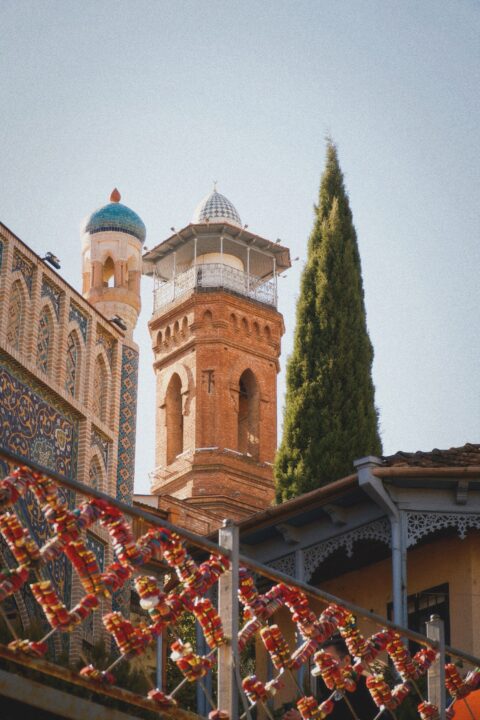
point(330, 418)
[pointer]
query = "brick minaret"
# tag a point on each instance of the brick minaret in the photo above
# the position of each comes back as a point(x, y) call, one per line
point(216, 337)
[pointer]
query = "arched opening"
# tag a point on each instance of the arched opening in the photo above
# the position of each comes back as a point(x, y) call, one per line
point(100, 389)
point(95, 474)
point(248, 414)
point(45, 341)
point(174, 418)
point(108, 273)
point(16, 315)
point(72, 365)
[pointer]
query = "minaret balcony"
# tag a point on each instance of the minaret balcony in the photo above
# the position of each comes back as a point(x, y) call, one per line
point(214, 276)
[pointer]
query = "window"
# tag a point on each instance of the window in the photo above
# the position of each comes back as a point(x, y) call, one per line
point(108, 273)
point(421, 605)
point(174, 418)
point(72, 365)
point(248, 415)
point(16, 311)
point(100, 390)
point(44, 341)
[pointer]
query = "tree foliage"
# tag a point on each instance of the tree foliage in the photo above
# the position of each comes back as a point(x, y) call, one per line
point(330, 417)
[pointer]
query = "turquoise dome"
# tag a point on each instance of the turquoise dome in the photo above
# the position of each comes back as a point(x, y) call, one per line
point(117, 217)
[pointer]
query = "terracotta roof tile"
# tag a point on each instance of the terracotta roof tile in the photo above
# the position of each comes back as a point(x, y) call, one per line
point(467, 455)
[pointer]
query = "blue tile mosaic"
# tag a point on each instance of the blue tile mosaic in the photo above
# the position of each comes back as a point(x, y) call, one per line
point(115, 217)
point(21, 263)
point(103, 445)
point(33, 427)
point(49, 290)
point(77, 316)
point(107, 343)
point(127, 424)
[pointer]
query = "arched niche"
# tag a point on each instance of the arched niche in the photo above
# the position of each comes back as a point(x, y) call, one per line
point(248, 425)
point(108, 272)
point(174, 418)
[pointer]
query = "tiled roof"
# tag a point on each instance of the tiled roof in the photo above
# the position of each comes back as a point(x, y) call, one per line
point(117, 217)
point(214, 208)
point(464, 456)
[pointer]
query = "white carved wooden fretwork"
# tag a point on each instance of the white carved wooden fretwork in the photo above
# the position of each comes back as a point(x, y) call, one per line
point(420, 524)
point(285, 564)
point(313, 556)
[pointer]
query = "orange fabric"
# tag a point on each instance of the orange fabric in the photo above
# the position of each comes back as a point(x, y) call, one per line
point(461, 710)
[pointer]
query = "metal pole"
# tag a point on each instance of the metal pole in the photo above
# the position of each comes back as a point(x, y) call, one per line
point(397, 570)
point(159, 670)
point(248, 268)
point(275, 278)
point(300, 575)
point(200, 692)
point(228, 611)
point(436, 673)
point(221, 260)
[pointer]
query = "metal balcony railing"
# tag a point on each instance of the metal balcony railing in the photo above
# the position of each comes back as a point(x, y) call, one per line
point(215, 275)
point(221, 634)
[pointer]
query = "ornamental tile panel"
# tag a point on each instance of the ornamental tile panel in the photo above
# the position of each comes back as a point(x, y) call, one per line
point(53, 293)
point(107, 343)
point(99, 441)
point(128, 412)
point(76, 315)
point(24, 266)
point(44, 341)
point(32, 427)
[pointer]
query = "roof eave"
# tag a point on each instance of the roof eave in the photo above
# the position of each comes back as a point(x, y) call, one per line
point(178, 238)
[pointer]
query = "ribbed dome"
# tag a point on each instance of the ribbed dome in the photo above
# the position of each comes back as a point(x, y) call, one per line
point(117, 217)
point(216, 208)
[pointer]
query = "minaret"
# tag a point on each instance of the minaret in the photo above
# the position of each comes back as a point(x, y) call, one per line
point(216, 337)
point(112, 239)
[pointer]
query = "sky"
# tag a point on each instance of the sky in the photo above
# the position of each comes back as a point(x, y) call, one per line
point(161, 98)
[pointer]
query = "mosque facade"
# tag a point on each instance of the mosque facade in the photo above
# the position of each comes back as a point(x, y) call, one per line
point(69, 373)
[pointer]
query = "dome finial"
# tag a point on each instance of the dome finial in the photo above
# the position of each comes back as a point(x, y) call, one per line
point(215, 183)
point(115, 196)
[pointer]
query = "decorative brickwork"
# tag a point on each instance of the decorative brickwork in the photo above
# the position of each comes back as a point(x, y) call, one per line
point(95, 475)
point(51, 291)
point(97, 440)
point(127, 424)
point(107, 343)
point(216, 361)
point(44, 341)
point(76, 315)
point(24, 266)
point(16, 315)
point(72, 365)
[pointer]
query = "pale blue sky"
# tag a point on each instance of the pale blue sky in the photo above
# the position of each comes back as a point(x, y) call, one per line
point(160, 98)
